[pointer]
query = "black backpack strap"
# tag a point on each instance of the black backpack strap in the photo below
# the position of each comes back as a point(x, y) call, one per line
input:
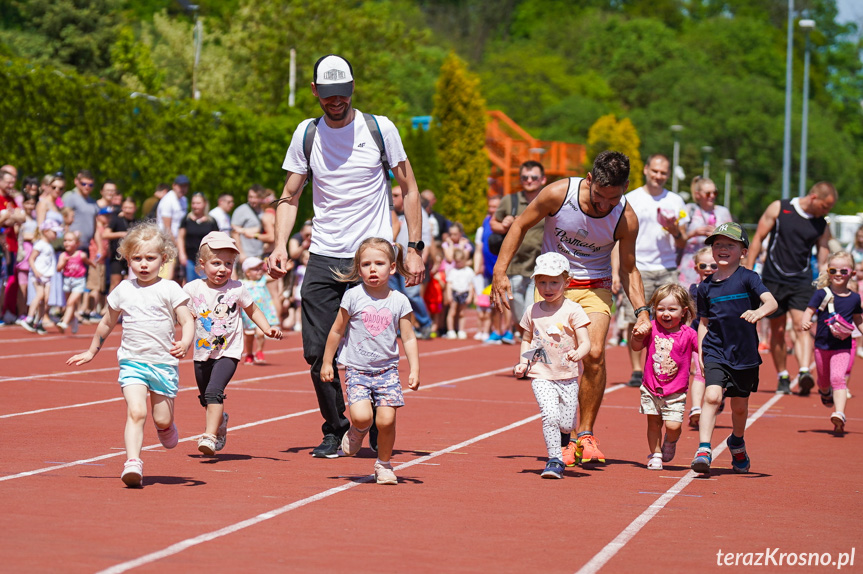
point(375, 129)
point(308, 142)
point(515, 199)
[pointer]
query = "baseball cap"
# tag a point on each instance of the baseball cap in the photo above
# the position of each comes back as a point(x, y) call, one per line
point(251, 263)
point(730, 230)
point(333, 76)
point(51, 225)
point(551, 264)
point(105, 211)
point(182, 180)
point(219, 240)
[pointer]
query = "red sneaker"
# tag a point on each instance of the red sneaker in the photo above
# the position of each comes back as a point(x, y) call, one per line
point(588, 449)
point(569, 454)
point(249, 360)
point(259, 358)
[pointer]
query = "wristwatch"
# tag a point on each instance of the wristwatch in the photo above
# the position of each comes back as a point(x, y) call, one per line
point(418, 245)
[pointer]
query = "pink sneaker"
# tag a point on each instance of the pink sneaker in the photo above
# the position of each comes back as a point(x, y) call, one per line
point(169, 437)
point(133, 472)
point(259, 358)
point(384, 473)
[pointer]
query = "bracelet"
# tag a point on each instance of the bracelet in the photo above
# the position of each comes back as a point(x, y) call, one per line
point(640, 309)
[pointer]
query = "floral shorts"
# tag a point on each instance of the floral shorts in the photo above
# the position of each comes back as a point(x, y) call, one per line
point(382, 388)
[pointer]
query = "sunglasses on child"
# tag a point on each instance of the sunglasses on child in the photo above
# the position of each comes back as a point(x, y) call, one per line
point(704, 266)
point(843, 271)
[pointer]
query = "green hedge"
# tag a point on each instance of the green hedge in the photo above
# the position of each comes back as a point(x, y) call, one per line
point(63, 122)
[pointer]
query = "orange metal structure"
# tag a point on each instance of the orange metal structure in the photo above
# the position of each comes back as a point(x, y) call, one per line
point(508, 146)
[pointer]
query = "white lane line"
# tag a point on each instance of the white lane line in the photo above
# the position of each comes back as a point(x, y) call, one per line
point(607, 553)
point(202, 538)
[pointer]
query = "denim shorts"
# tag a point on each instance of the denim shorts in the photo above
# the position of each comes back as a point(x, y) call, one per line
point(160, 379)
point(382, 388)
point(74, 284)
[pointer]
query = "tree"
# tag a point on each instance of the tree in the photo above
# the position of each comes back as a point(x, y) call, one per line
point(422, 152)
point(609, 134)
point(459, 112)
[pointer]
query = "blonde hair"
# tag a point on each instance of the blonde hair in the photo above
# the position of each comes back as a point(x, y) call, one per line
point(679, 293)
point(706, 250)
point(393, 253)
point(459, 254)
point(145, 232)
point(824, 277)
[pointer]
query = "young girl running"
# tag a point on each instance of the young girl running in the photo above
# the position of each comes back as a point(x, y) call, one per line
point(256, 283)
point(705, 266)
point(459, 294)
point(555, 339)
point(370, 318)
point(148, 354)
point(215, 303)
point(73, 264)
point(42, 269)
point(670, 346)
point(836, 307)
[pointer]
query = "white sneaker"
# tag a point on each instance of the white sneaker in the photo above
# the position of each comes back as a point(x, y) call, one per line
point(169, 437)
point(462, 335)
point(838, 420)
point(222, 433)
point(451, 335)
point(384, 473)
point(654, 462)
point(61, 326)
point(29, 325)
point(480, 336)
point(133, 472)
point(207, 444)
point(352, 442)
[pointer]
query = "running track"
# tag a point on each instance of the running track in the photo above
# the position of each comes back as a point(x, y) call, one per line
point(469, 497)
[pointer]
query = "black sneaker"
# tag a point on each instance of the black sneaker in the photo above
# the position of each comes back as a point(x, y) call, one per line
point(373, 438)
point(805, 382)
point(329, 447)
point(784, 386)
point(635, 380)
point(826, 397)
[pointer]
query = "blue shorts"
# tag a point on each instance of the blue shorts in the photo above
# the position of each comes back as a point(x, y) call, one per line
point(382, 388)
point(159, 379)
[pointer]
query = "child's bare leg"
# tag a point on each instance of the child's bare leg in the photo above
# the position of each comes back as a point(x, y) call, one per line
point(362, 415)
point(248, 344)
point(136, 416)
point(163, 410)
point(672, 431)
point(71, 306)
point(654, 433)
point(214, 417)
point(259, 338)
point(385, 419)
point(450, 316)
point(39, 294)
point(712, 400)
point(739, 414)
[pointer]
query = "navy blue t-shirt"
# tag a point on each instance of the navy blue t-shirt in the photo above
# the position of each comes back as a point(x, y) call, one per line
point(730, 340)
point(846, 306)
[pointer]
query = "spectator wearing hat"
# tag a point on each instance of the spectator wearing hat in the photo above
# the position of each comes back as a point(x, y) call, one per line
point(171, 211)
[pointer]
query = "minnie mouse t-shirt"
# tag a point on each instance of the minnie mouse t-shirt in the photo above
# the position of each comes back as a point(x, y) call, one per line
point(218, 322)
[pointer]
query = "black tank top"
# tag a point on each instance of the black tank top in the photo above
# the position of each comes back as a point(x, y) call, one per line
point(790, 247)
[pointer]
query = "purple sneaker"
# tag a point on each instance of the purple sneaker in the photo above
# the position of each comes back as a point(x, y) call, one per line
point(169, 436)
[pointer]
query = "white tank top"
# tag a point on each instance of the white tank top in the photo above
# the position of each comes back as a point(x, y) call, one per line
point(585, 240)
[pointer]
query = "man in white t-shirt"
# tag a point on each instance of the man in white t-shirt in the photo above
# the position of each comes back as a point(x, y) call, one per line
point(222, 212)
point(661, 232)
point(350, 194)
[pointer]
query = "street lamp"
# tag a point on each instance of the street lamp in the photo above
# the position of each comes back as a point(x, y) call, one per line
point(807, 26)
point(786, 155)
point(675, 130)
point(729, 163)
point(198, 35)
point(707, 150)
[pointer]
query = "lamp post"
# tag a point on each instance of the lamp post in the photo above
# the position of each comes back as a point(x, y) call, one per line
point(786, 155)
point(198, 35)
point(707, 151)
point(729, 163)
point(675, 130)
point(807, 26)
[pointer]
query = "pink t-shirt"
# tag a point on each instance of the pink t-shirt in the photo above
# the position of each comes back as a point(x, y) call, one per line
point(75, 265)
point(665, 350)
point(553, 335)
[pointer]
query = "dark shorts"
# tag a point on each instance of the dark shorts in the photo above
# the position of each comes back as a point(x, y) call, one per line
point(460, 298)
point(789, 296)
point(118, 267)
point(735, 382)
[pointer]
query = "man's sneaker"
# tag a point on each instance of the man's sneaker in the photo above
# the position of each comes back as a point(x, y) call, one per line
point(654, 461)
point(259, 358)
point(588, 449)
point(668, 450)
point(694, 417)
point(462, 334)
point(508, 338)
point(373, 437)
point(207, 444)
point(701, 462)
point(352, 442)
point(384, 473)
point(61, 326)
point(133, 472)
point(826, 397)
point(494, 338)
point(249, 360)
point(329, 447)
point(784, 386)
point(553, 469)
point(838, 420)
point(805, 382)
point(636, 379)
point(222, 433)
point(29, 324)
point(569, 453)
point(739, 458)
point(169, 437)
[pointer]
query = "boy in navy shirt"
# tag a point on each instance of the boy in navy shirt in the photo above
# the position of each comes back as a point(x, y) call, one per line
point(730, 303)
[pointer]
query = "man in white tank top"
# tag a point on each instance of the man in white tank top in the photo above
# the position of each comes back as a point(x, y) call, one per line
point(584, 219)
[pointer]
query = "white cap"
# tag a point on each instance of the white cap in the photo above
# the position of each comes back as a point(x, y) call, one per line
point(333, 76)
point(251, 263)
point(551, 264)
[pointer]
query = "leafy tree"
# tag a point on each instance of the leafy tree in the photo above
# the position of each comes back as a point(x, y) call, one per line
point(610, 134)
point(459, 113)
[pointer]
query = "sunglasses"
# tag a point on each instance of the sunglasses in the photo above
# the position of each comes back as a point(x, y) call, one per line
point(843, 271)
point(86, 184)
point(56, 187)
point(713, 193)
point(531, 177)
point(703, 266)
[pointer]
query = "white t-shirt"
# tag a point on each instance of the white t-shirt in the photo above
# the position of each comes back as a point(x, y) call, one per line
point(175, 208)
point(45, 263)
point(460, 280)
point(222, 218)
point(218, 318)
point(654, 246)
point(149, 317)
point(350, 191)
point(553, 336)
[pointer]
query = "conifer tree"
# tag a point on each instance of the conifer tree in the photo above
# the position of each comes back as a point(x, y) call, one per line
point(607, 133)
